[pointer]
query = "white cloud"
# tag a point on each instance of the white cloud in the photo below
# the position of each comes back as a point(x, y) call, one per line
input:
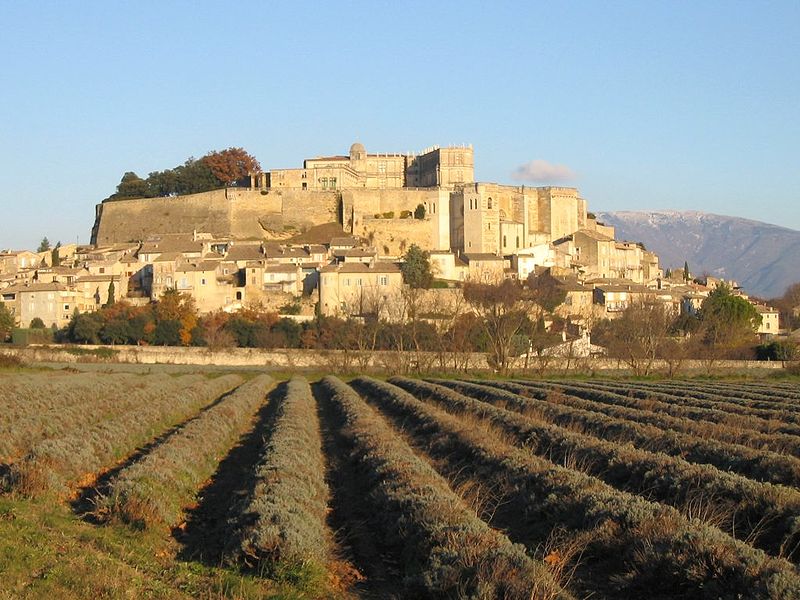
point(542, 171)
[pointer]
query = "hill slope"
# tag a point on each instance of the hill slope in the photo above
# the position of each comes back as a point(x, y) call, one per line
point(763, 258)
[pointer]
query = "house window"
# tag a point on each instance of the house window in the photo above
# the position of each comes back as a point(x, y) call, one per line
point(384, 280)
point(102, 270)
point(504, 241)
point(66, 307)
point(347, 282)
point(203, 281)
point(238, 295)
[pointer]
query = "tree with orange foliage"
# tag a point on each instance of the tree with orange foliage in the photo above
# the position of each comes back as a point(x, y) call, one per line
point(175, 306)
point(231, 165)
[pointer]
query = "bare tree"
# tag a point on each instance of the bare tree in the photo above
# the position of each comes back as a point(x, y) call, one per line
point(504, 310)
point(639, 334)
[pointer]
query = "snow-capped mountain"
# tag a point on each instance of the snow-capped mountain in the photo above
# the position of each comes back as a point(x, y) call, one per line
point(763, 258)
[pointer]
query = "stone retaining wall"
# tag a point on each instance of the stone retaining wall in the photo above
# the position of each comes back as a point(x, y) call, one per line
point(354, 361)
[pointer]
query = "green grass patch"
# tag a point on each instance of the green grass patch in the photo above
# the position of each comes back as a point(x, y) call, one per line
point(47, 551)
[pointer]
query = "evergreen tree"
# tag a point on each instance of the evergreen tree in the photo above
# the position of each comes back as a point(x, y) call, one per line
point(416, 268)
point(111, 294)
point(6, 322)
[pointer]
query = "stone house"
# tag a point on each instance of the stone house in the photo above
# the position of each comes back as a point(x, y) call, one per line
point(53, 303)
point(354, 289)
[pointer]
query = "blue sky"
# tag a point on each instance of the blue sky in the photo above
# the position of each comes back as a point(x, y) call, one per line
point(641, 105)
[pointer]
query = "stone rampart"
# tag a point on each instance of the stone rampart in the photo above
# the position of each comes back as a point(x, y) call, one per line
point(240, 213)
point(131, 220)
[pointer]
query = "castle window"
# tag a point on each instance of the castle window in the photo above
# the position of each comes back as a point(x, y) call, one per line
point(332, 183)
point(489, 206)
point(517, 241)
point(504, 242)
point(203, 281)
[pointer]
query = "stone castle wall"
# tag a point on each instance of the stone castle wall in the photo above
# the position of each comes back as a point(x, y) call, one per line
point(238, 213)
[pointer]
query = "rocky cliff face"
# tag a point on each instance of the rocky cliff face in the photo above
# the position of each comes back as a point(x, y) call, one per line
point(763, 258)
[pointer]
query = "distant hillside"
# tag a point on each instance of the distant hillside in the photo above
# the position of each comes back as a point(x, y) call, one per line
point(763, 258)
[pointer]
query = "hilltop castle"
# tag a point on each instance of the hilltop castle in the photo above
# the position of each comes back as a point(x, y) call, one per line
point(375, 197)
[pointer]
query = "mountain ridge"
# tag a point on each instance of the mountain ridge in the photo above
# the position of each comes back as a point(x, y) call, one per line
point(762, 257)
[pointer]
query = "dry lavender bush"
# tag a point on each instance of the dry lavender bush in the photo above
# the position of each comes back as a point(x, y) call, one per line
point(756, 464)
point(616, 405)
point(650, 544)
point(764, 515)
point(446, 550)
point(282, 525)
point(155, 489)
point(36, 407)
point(766, 418)
point(51, 465)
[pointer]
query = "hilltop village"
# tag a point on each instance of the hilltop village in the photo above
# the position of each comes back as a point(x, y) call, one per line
point(330, 238)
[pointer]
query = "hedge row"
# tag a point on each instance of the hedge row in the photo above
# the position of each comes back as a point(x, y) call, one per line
point(283, 522)
point(711, 408)
point(763, 514)
point(51, 406)
point(759, 465)
point(154, 490)
point(614, 405)
point(647, 544)
point(446, 550)
point(51, 465)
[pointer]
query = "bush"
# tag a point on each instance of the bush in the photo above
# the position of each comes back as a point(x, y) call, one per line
point(23, 337)
point(54, 463)
point(405, 214)
point(289, 499)
point(37, 323)
point(764, 514)
point(760, 465)
point(290, 308)
point(155, 489)
point(639, 544)
point(10, 361)
point(53, 405)
point(388, 215)
point(447, 550)
point(419, 212)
